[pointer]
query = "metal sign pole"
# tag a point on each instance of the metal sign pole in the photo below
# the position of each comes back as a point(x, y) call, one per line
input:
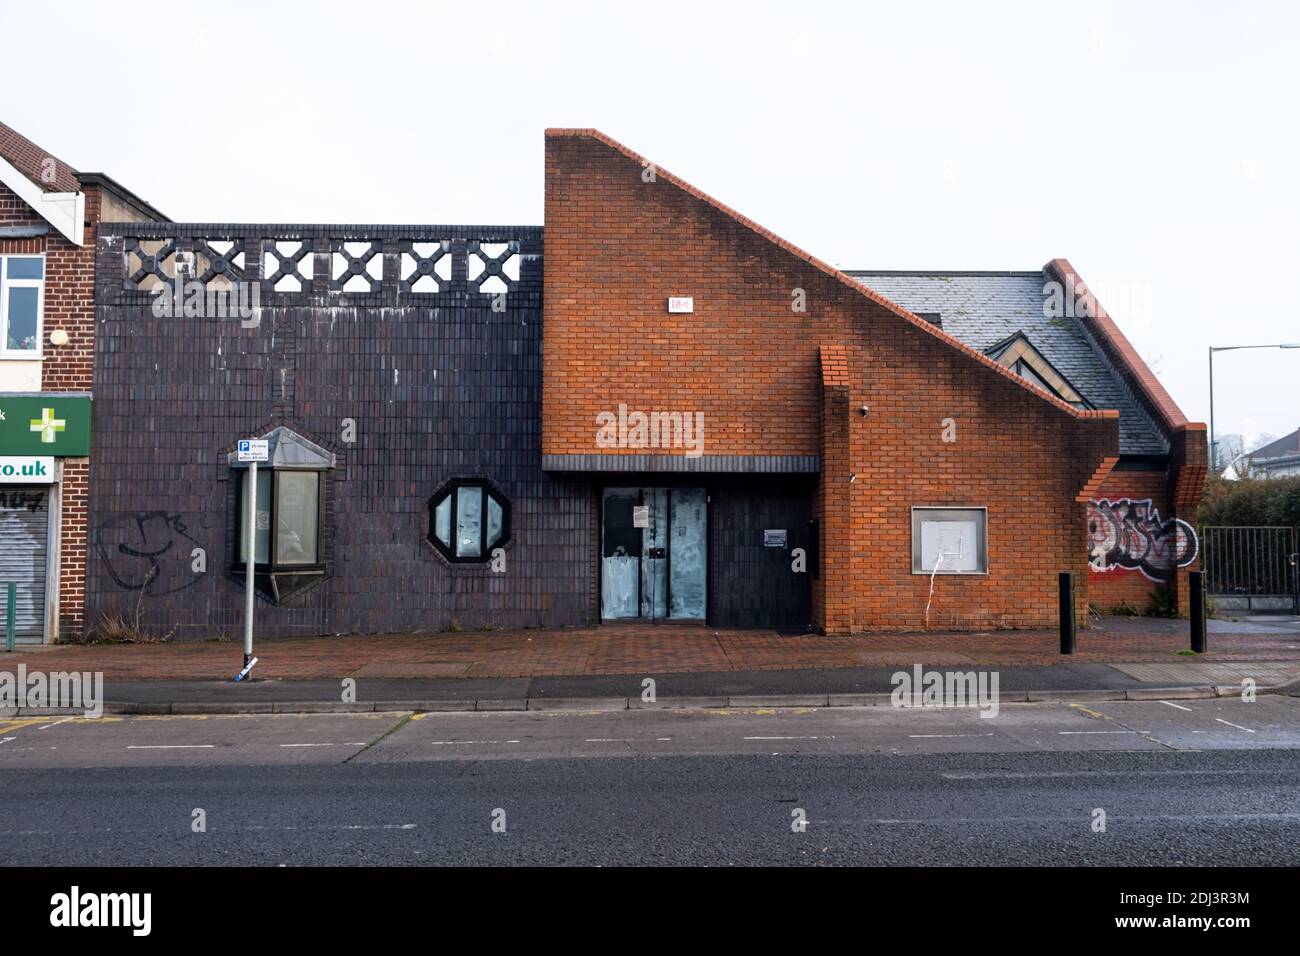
point(252, 451)
point(252, 557)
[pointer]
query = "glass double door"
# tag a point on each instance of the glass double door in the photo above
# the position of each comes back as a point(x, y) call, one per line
point(654, 547)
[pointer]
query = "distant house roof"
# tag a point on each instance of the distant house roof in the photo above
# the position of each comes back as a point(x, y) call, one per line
point(1283, 447)
point(986, 309)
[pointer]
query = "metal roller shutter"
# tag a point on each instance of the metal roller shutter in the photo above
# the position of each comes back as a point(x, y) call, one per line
point(24, 556)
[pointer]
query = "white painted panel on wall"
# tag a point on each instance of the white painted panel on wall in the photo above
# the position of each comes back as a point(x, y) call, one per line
point(956, 541)
point(17, 375)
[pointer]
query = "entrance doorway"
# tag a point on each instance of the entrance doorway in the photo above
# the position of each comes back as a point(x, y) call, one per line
point(654, 554)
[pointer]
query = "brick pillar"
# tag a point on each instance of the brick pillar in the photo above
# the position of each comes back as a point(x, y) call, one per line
point(74, 496)
point(1188, 468)
point(832, 591)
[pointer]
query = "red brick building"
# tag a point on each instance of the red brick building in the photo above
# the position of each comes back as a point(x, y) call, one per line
point(954, 465)
point(651, 408)
point(48, 215)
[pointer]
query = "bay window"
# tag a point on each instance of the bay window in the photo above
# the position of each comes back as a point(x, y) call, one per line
point(289, 527)
point(289, 519)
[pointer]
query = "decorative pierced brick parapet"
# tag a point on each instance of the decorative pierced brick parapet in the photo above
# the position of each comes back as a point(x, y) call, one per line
point(321, 265)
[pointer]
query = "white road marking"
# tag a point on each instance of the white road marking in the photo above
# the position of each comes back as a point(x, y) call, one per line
point(935, 736)
point(354, 744)
point(618, 740)
point(5, 740)
point(1231, 724)
point(256, 828)
point(1078, 732)
point(56, 723)
point(170, 746)
point(1159, 818)
point(1055, 774)
point(344, 826)
point(831, 737)
point(454, 743)
point(1179, 706)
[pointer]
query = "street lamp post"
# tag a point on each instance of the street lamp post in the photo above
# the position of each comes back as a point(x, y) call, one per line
point(1214, 452)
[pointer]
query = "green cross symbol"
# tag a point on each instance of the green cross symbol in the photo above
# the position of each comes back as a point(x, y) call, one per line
point(47, 425)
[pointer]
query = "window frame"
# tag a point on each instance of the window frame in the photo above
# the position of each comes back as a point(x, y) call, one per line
point(452, 490)
point(6, 284)
point(918, 515)
point(271, 566)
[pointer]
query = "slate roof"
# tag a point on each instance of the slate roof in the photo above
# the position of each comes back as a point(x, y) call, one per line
point(982, 309)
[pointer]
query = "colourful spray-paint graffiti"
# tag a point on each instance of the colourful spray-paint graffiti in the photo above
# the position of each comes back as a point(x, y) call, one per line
point(1128, 535)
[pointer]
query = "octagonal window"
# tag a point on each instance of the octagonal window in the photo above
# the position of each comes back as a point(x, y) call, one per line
point(467, 519)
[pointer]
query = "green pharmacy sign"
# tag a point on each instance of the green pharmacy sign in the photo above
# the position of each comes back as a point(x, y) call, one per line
point(53, 425)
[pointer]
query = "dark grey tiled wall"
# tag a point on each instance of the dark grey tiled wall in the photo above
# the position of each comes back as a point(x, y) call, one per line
point(439, 387)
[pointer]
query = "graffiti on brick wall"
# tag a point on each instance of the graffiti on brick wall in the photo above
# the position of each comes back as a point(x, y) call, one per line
point(1127, 534)
point(148, 551)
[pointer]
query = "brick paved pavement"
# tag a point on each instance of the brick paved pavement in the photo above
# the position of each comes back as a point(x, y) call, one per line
point(641, 649)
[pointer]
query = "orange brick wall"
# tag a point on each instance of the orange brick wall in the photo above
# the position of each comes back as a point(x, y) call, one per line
point(618, 246)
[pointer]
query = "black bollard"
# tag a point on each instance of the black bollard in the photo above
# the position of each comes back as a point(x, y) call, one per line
point(1197, 611)
point(1067, 611)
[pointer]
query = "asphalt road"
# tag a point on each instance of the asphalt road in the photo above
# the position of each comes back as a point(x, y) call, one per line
point(1185, 782)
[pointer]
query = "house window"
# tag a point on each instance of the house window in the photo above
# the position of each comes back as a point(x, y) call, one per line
point(289, 517)
point(948, 540)
point(22, 305)
point(467, 519)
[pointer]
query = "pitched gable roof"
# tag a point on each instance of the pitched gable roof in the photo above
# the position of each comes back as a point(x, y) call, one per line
point(47, 185)
point(48, 173)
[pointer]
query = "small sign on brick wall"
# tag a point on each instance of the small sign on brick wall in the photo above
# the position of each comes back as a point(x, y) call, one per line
point(681, 303)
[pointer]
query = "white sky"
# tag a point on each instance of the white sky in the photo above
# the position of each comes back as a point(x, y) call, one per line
point(1152, 144)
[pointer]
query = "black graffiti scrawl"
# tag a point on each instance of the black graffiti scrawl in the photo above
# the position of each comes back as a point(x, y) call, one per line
point(1125, 534)
point(149, 551)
